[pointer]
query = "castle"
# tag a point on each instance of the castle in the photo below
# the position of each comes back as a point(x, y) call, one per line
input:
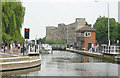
point(60, 32)
point(67, 33)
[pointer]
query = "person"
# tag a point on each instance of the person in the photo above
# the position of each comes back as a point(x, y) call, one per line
point(24, 47)
point(6, 46)
point(18, 47)
point(10, 48)
point(2, 46)
point(93, 49)
point(97, 48)
point(13, 45)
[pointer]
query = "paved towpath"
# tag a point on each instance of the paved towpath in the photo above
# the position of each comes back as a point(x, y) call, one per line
point(15, 52)
point(96, 53)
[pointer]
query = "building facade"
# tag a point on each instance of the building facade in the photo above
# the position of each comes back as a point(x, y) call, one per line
point(66, 33)
point(85, 37)
point(76, 32)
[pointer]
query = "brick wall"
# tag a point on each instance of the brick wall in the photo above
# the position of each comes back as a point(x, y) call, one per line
point(89, 40)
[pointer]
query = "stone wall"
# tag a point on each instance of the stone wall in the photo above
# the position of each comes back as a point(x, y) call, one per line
point(60, 32)
point(52, 33)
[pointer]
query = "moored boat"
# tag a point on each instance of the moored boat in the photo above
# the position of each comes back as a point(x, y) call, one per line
point(46, 48)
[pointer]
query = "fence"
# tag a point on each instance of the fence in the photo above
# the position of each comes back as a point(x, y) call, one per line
point(58, 46)
point(111, 49)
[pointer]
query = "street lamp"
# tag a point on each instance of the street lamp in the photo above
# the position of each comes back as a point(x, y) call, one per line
point(67, 36)
point(108, 24)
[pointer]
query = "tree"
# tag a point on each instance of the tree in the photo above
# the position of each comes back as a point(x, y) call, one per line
point(12, 19)
point(41, 40)
point(86, 24)
point(119, 31)
point(59, 42)
point(101, 25)
point(49, 42)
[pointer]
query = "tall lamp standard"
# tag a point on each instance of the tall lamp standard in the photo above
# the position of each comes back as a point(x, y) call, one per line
point(67, 36)
point(108, 24)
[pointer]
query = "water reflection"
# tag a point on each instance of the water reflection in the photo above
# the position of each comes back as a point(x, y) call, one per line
point(75, 58)
point(20, 72)
point(62, 63)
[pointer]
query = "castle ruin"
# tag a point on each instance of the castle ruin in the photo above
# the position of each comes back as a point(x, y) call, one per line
point(60, 33)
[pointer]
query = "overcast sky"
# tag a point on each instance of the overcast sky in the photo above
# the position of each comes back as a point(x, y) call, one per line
point(42, 13)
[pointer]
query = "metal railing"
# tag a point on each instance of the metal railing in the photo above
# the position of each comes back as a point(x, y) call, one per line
point(111, 49)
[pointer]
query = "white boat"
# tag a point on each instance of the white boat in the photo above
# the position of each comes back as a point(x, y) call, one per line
point(46, 48)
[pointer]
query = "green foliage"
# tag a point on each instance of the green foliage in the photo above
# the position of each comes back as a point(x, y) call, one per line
point(59, 42)
point(86, 24)
point(12, 19)
point(119, 31)
point(101, 25)
point(41, 40)
point(50, 42)
point(54, 42)
point(6, 37)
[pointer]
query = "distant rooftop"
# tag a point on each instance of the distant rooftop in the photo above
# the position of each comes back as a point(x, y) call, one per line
point(86, 28)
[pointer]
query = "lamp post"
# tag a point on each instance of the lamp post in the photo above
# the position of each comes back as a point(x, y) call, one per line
point(75, 44)
point(67, 36)
point(108, 24)
point(108, 27)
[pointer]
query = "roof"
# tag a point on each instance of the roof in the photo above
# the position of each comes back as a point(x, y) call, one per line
point(86, 28)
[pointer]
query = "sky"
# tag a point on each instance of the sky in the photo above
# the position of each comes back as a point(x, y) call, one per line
point(42, 13)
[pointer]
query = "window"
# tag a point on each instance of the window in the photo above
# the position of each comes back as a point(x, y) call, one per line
point(87, 34)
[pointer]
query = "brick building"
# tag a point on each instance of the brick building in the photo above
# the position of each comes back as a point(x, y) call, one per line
point(85, 37)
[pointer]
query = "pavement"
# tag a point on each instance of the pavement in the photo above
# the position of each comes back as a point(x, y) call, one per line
point(16, 60)
point(89, 52)
point(16, 52)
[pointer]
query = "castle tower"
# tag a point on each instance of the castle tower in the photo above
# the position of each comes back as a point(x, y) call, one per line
point(80, 22)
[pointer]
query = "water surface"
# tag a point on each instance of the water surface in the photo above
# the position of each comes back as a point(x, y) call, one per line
point(63, 63)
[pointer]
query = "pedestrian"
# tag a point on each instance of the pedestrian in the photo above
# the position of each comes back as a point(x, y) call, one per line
point(2, 46)
point(97, 48)
point(18, 47)
point(93, 49)
point(10, 48)
point(24, 47)
point(13, 45)
point(4, 49)
point(6, 46)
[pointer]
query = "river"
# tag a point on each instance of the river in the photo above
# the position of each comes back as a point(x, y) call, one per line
point(63, 63)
